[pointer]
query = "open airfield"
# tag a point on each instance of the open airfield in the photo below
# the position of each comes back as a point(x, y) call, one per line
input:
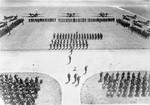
point(31, 37)
point(37, 36)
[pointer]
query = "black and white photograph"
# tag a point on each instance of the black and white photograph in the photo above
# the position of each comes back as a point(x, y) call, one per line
point(74, 52)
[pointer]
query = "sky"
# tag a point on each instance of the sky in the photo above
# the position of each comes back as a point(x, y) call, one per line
point(72, 2)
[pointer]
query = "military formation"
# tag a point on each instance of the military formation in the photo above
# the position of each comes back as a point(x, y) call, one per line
point(64, 41)
point(125, 84)
point(135, 25)
point(76, 77)
point(8, 28)
point(17, 91)
point(33, 20)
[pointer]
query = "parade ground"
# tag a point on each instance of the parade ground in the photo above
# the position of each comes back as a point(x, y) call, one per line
point(38, 35)
point(25, 49)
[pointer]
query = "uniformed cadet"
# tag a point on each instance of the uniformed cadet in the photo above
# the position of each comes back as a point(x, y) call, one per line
point(87, 36)
point(60, 36)
point(85, 70)
point(71, 36)
point(63, 46)
point(52, 41)
point(63, 36)
point(125, 88)
point(144, 85)
point(90, 36)
point(53, 46)
point(79, 36)
point(138, 85)
point(101, 77)
point(115, 83)
point(54, 35)
point(78, 81)
point(121, 85)
point(80, 42)
point(50, 46)
point(86, 44)
point(68, 78)
point(132, 86)
point(57, 45)
point(101, 35)
point(105, 80)
point(95, 36)
point(98, 36)
point(71, 44)
point(82, 36)
point(82, 46)
point(58, 48)
point(69, 57)
point(75, 78)
point(61, 41)
point(75, 36)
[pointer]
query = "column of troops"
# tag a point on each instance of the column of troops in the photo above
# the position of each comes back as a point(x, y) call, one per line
point(104, 19)
point(10, 27)
point(42, 20)
point(64, 41)
point(17, 91)
point(125, 84)
point(134, 27)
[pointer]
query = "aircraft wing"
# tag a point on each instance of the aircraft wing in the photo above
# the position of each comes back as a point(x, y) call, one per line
point(32, 16)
